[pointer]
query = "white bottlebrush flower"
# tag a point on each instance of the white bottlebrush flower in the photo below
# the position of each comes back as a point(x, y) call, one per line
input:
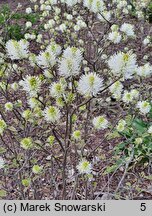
point(69, 67)
point(46, 59)
point(90, 84)
point(134, 93)
point(95, 6)
point(146, 40)
point(31, 84)
point(73, 52)
point(62, 27)
point(121, 125)
point(17, 49)
point(81, 24)
point(144, 71)
point(100, 122)
point(116, 89)
point(128, 29)
point(2, 163)
point(8, 106)
point(28, 10)
point(28, 24)
point(144, 107)
point(51, 114)
point(150, 130)
point(84, 167)
point(54, 48)
point(115, 37)
point(77, 135)
point(127, 97)
point(123, 64)
point(57, 89)
point(3, 126)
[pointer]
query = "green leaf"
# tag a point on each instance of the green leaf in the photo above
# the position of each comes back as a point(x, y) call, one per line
point(140, 126)
point(3, 193)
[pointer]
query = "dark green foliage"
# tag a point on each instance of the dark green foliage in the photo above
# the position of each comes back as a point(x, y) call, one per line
point(15, 32)
point(135, 129)
point(149, 12)
point(13, 29)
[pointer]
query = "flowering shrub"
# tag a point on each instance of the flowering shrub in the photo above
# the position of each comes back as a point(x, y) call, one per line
point(74, 74)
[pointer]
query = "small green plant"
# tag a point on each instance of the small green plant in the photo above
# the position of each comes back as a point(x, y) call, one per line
point(137, 138)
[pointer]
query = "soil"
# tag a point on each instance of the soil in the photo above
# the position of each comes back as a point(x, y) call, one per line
point(134, 181)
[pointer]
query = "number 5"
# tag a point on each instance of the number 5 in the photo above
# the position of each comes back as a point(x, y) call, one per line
point(143, 207)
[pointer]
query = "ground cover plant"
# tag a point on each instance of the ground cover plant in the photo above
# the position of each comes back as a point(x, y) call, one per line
point(75, 99)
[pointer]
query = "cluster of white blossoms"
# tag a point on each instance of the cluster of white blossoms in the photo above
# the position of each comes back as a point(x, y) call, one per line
point(130, 96)
point(90, 84)
point(95, 6)
point(57, 89)
point(46, 59)
point(144, 107)
point(52, 114)
point(77, 135)
point(70, 62)
point(146, 41)
point(100, 122)
point(123, 64)
point(121, 125)
point(116, 89)
point(84, 167)
point(31, 84)
point(144, 71)
point(115, 37)
point(8, 106)
point(54, 48)
point(17, 49)
point(128, 29)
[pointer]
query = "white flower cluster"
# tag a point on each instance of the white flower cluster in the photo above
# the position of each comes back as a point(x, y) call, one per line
point(144, 107)
point(90, 84)
point(46, 58)
point(52, 114)
point(95, 6)
point(84, 167)
point(130, 96)
point(31, 84)
point(116, 89)
point(144, 71)
point(17, 49)
point(128, 29)
point(123, 64)
point(100, 122)
point(70, 62)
